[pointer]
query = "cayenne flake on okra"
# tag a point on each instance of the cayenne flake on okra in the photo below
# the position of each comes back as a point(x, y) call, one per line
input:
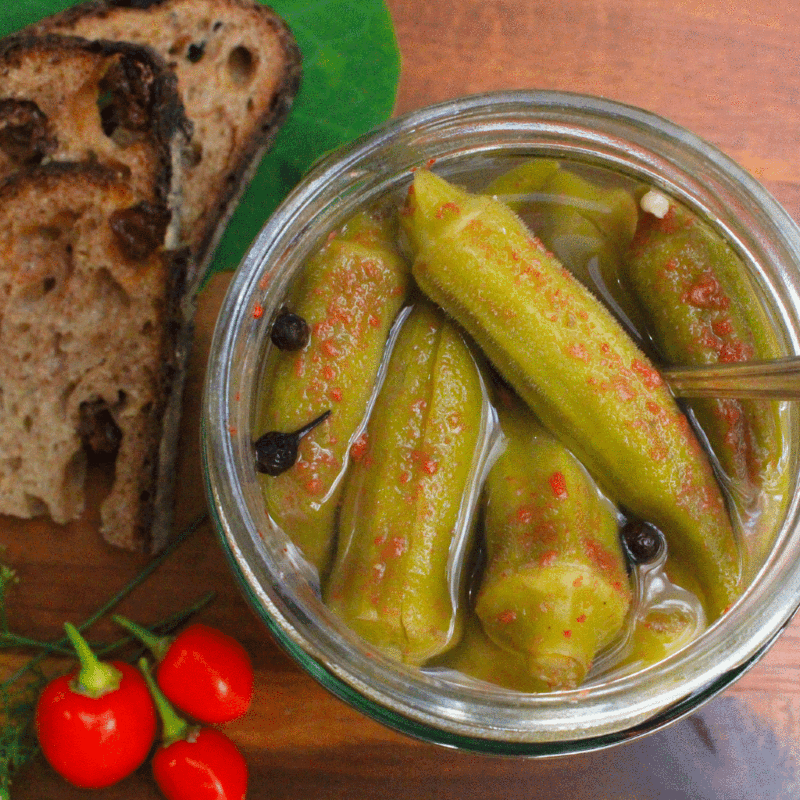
point(349, 294)
point(595, 532)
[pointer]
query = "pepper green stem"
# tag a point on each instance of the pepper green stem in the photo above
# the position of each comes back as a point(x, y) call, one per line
point(95, 677)
point(157, 645)
point(174, 727)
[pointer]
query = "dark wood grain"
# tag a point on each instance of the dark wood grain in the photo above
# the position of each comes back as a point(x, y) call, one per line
point(730, 72)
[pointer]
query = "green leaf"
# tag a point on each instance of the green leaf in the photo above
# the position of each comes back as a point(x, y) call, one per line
point(351, 67)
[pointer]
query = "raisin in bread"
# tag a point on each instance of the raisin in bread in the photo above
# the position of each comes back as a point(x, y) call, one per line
point(69, 99)
point(90, 345)
point(238, 70)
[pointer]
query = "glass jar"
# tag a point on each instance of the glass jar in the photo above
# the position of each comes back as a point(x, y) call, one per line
point(463, 138)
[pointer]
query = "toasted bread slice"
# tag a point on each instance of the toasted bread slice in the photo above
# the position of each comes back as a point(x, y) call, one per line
point(69, 99)
point(238, 70)
point(92, 339)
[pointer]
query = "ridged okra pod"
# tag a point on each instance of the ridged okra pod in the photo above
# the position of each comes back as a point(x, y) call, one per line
point(406, 512)
point(555, 587)
point(349, 294)
point(701, 310)
point(576, 368)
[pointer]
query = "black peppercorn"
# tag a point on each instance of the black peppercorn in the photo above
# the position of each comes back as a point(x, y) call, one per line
point(276, 452)
point(289, 331)
point(643, 542)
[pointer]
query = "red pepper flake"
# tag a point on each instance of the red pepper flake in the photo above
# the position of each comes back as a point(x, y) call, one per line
point(335, 394)
point(404, 478)
point(735, 351)
point(258, 311)
point(330, 349)
point(578, 351)
point(507, 617)
point(581, 619)
point(374, 321)
point(706, 292)
point(567, 634)
point(359, 447)
point(722, 327)
point(440, 212)
point(653, 407)
point(671, 265)
point(430, 466)
point(232, 430)
point(524, 515)
point(599, 556)
point(548, 559)
point(237, 396)
point(650, 377)
point(559, 485)
point(314, 486)
point(578, 582)
point(395, 547)
point(430, 162)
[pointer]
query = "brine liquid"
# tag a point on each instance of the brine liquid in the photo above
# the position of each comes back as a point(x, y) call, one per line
point(665, 611)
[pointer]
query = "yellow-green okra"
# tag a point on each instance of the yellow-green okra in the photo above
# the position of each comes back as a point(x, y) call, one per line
point(555, 587)
point(576, 368)
point(349, 294)
point(702, 310)
point(408, 502)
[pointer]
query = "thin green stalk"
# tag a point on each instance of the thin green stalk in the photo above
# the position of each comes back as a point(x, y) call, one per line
point(116, 599)
point(173, 726)
point(9, 639)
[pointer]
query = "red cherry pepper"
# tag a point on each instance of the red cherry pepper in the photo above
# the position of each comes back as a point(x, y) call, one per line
point(97, 724)
point(203, 671)
point(194, 763)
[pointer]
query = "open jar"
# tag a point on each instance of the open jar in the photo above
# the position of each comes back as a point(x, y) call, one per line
point(467, 139)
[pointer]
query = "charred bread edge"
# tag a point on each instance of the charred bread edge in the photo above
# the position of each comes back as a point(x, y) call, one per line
point(265, 131)
point(179, 319)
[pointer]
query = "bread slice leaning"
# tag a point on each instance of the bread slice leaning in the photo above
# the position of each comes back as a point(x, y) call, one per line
point(238, 70)
point(89, 351)
point(69, 99)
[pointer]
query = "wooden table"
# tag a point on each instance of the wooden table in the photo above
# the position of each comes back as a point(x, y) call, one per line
point(730, 72)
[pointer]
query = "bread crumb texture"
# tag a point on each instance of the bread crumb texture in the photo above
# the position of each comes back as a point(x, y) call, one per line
point(81, 343)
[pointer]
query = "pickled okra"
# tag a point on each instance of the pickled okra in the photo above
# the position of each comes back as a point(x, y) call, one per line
point(349, 294)
point(554, 588)
point(406, 514)
point(701, 310)
point(576, 368)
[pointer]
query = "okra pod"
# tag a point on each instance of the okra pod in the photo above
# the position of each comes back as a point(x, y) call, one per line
point(578, 370)
point(406, 512)
point(555, 587)
point(588, 227)
point(349, 294)
point(701, 309)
